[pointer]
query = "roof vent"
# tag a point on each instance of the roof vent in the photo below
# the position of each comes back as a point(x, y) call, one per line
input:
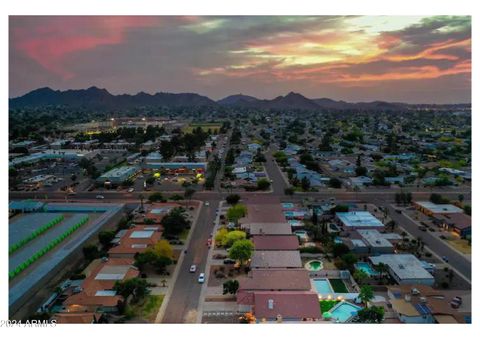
point(270, 304)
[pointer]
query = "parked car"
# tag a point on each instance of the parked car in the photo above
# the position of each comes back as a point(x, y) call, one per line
point(445, 258)
point(229, 261)
point(201, 278)
point(207, 203)
point(130, 190)
point(100, 197)
point(193, 268)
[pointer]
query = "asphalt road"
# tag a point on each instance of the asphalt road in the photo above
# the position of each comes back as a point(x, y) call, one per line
point(183, 303)
point(455, 259)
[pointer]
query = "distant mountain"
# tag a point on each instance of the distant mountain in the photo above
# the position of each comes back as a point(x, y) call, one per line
point(239, 100)
point(96, 98)
point(101, 99)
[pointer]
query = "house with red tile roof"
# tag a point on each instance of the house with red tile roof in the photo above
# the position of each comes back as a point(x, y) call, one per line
point(97, 290)
point(275, 242)
point(286, 306)
point(134, 240)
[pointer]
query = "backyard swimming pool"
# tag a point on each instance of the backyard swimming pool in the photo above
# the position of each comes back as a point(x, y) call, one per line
point(343, 311)
point(287, 205)
point(367, 268)
point(322, 286)
point(302, 234)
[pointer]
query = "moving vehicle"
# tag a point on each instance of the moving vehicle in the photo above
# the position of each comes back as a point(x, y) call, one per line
point(100, 197)
point(131, 189)
point(445, 258)
point(207, 203)
point(193, 268)
point(201, 278)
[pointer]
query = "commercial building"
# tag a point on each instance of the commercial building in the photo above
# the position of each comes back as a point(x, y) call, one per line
point(118, 175)
point(406, 269)
point(429, 208)
point(92, 218)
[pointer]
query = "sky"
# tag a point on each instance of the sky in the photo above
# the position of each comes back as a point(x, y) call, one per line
point(353, 58)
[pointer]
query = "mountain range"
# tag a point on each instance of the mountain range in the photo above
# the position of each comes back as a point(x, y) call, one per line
point(101, 99)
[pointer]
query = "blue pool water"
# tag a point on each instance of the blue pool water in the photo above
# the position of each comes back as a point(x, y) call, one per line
point(344, 311)
point(287, 205)
point(322, 286)
point(367, 268)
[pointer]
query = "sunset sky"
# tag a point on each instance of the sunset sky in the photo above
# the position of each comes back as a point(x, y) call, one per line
point(361, 58)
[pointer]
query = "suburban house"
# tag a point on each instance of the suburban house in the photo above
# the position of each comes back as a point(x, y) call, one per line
point(459, 223)
point(420, 304)
point(275, 242)
point(406, 269)
point(429, 208)
point(276, 259)
point(135, 240)
point(97, 290)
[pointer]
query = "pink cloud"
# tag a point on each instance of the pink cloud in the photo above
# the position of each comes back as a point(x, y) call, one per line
point(51, 41)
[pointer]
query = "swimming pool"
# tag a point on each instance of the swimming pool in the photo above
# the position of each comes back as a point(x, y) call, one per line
point(322, 286)
point(287, 205)
point(343, 311)
point(367, 268)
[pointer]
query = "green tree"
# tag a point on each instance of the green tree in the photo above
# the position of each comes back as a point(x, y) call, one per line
point(241, 250)
point(136, 287)
point(90, 252)
point(154, 197)
point(289, 191)
point(335, 183)
point(233, 199)
point(175, 221)
point(232, 237)
point(360, 276)
point(263, 184)
point(236, 212)
point(230, 287)
point(340, 250)
point(105, 237)
point(371, 315)
point(366, 294)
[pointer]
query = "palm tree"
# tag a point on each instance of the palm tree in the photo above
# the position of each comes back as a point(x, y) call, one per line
point(366, 294)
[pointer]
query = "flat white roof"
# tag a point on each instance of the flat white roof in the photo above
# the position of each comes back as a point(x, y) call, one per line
point(374, 238)
point(359, 219)
point(405, 266)
point(116, 272)
point(141, 234)
point(439, 208)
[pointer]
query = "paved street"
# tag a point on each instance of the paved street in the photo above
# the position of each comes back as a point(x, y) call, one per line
point(184, 300)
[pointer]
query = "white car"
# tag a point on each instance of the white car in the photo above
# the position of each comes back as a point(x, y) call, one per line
point(207, 203)
point(100, 197)
point(130, 190)
point(193, 268)
point(201, 278)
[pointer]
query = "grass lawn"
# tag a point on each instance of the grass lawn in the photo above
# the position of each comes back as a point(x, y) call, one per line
point(338, 286)
point(460, 245)
point(327, 305)
point(146, 310)
point(183, 236)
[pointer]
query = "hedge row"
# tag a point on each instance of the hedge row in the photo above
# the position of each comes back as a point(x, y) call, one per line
point(35, 234)
point(47, 248)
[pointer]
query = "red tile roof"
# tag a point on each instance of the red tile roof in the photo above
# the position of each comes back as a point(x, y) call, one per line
point(275, 242)
point(131, 246)
point(289, 305)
